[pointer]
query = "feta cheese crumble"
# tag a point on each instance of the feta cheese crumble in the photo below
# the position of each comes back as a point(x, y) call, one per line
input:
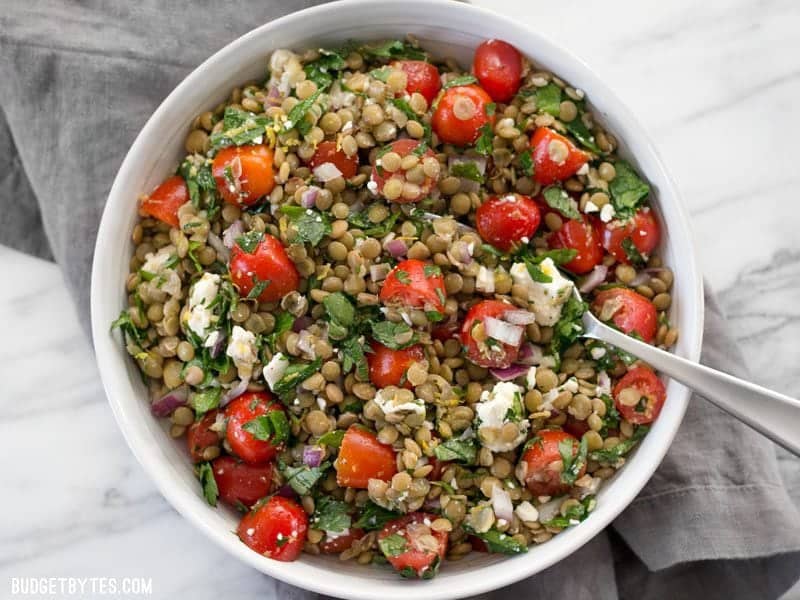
point(242, 349)
point(390, 402)
point(274, 370)
point(498, 407)
point(547, 298)
point(204, 291)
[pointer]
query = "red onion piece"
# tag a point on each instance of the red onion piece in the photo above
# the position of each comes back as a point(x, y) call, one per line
point(309, 197)
point(301, 323)
point(501, 502)
point(595, 278)
point(396, 248)
point(312, 456)
point(274, 97)
point(519, 317)
point(217, 244)
point(510, 373)
point(287, 492)
point(530, 354)
point(236, 391)
point(432, 504)
point(379, 272)
point(502, 331)
point(164, 406)
point(233, 231)
point(644, 276)
point(219, 344)
point(326, 172)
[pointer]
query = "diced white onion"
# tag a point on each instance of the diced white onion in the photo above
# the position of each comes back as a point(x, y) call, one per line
point(501, 502)
point(326, 172)
point(502, 331)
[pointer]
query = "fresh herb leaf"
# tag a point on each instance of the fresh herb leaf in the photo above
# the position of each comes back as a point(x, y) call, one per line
point(460, 80)
point(484, 143)
point(361, 221)
point(420, 149)
point(526, 162)
point(393, 545)
point(574, 514)
point(331, 515)
point(381, 74)
point(632, 252)
point(394, 335)
point(402, 276)
point(332, 439)
point(467, 170)
point(296, 119)
point(129, 330)
point(558, 199)
point(490, 109)
point(572, 464)
point(196, 171)
point(259, 285)
point(206, 475)
point(321, 71)
point(548, 99)
point(463, 451)
point(271, 427)
point(499, 542)
point(283, 323)
point(339, 309)
point(581, 133)
point(205, 400)
point(249, 241)
point(303, 479)
point(394, 50)
point(374, 517)
point(536, 273)
point(403, 105)
point(295, 374)
point(615, 453)
point(353, 357)
point(628, 191)
point(240, 127)
point(432, 271)
point(569, 327)
point(311, 225)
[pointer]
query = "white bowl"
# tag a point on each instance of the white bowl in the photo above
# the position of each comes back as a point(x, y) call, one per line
point(448, 29)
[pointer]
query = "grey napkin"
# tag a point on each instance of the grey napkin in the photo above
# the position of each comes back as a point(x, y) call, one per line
point(78, 80)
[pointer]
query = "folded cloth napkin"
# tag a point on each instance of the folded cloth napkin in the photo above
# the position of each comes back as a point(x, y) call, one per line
point(80, 79)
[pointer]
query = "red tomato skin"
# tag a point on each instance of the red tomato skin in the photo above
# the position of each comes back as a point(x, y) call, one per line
point(340, 543)
point(388, 367)
point(403, 148)
point(200, 436)
point(362, 457)
point(504, 221)
point(478, 312)
point(636, 314)
point(257, 177)
point(546, 170)
point(418, 560)
point(581, 237)
point(327, 152)
point(540, 474)
point(239, 482)
point(245, 408)
point(647, 382)
point(421, 77)
point(164, 201)
point(268, 262)
point(452, 130)
point(498, 67)
point(416, 290)
point(643, 230)
point(259, 529)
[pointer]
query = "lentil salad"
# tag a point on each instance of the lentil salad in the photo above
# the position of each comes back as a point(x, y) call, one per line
point(348, 301)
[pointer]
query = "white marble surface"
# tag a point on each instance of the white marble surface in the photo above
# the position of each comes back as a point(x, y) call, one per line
point(715, 83)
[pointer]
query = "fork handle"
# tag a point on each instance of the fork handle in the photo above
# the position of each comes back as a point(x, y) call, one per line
point(774, 415)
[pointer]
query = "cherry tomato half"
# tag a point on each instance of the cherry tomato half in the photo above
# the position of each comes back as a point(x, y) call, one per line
point(244, 173)
point(651, 391)
point(409, 192)
point(461, 113)
point(415, 284)
point(240, 483)
point(200, 436)
point(506, 220)
point(480, 349)
point(164, 201)
point(421, 77)
point(632, 312)
point(424, 548)
point(541, 464)
point(388, 367)
point(498, 67)
point(340, 543)
point(244, 409)
point(277, 529)
point(362, 457)
point(555, 158)
point(327, 153)
point(643, 230)
point(268, 266)
point(582, 238)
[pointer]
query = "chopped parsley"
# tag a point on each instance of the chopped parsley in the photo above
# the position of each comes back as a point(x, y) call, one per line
point(569, 327)
point(574, 515)
point(196, 172)
point(632, 252)
point(361, 221)
point(394, 50)
point(311, 225)
point(272, 427)
point(374, 517)
point(129, 330)
point(332, 439)
point(205, 400)
point(467, 170)
point(628, 191)
point(484, 143)
point(394, 335)
point(615, 453)
point(526, 162)
point(548, 99)
point(331, 515)
point(402, 276)
point(240, 127)
point(322, 70)
point(295, 374)
point(463, 451)
point(259, 285)
point(393, 545)
point(499, 542)
point(573, 464)
point(249, 241)
point(460, 80)
point(558, 199)
point(206, 475)
point(296, 119)
point(303, 479)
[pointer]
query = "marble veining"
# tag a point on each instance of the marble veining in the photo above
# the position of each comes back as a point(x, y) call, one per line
point(716, 85)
